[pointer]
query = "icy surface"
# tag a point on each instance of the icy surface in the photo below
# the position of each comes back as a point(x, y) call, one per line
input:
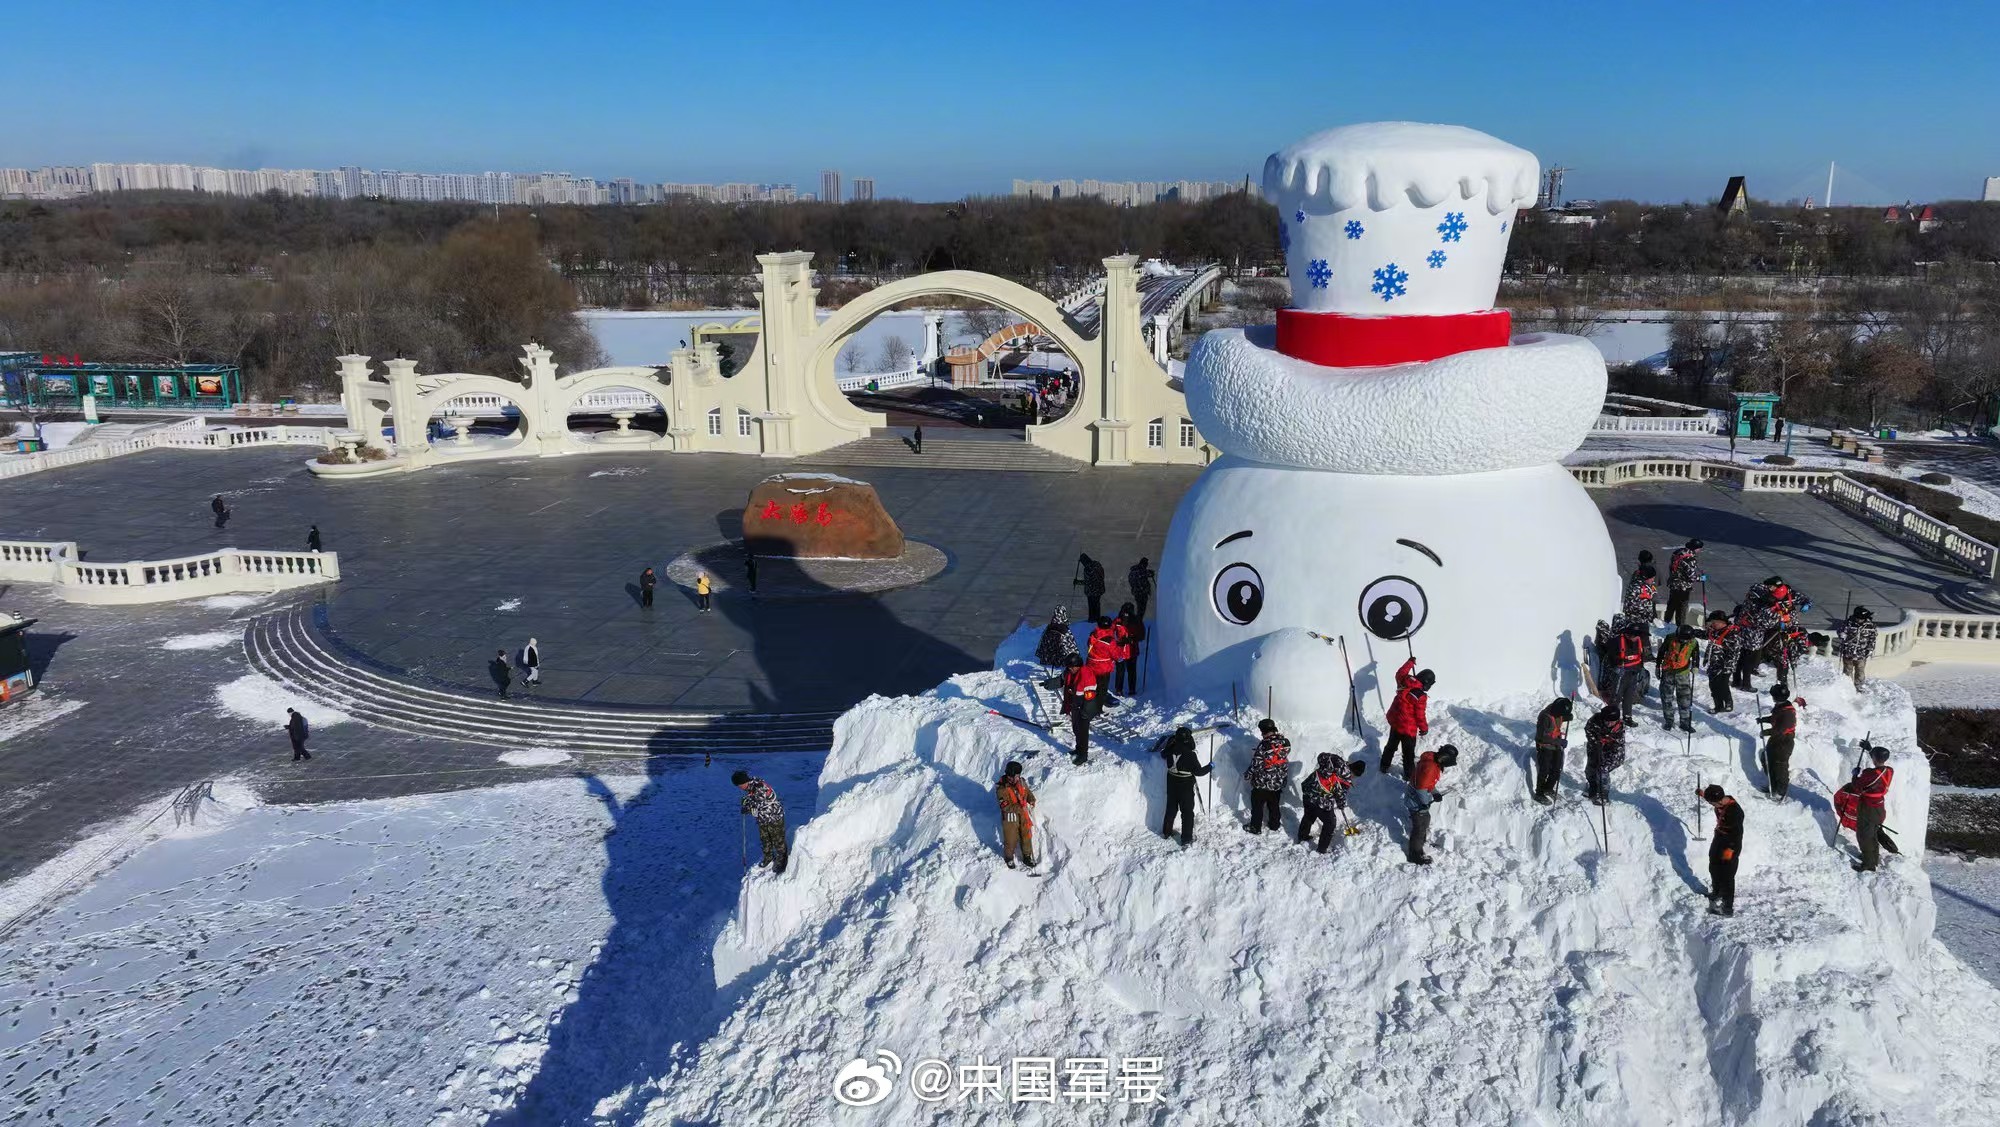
point(534, 757)
point(1968, 909)
point(1528, 404)
point(541, 948)
point(33, 711)
point(1531, 976)
point(1952, 685)
point(211, 640)
point(254, 696)
point(231, 602)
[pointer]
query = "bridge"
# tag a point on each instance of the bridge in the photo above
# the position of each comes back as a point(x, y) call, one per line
point(785, 401)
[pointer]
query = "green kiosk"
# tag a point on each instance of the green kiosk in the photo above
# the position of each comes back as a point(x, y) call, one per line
point(16, 677)
point(1754, 412)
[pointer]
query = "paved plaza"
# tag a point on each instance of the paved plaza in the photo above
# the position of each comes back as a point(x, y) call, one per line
point(442, 568)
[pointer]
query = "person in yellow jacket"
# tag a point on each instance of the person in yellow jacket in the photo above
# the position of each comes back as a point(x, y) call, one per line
point(1017, 816)
point(701, 592)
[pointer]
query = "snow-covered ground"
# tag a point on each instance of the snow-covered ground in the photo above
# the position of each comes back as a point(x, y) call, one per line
point(55, 435)
point(1952, 685)
point(401, 961)
point(1533, 975)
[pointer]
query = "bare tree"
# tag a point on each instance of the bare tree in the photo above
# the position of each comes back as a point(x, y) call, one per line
point(1794, 352)
point(896, 354)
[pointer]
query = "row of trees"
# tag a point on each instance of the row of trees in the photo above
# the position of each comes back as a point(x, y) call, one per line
point(1917, 355)
point(466, 302)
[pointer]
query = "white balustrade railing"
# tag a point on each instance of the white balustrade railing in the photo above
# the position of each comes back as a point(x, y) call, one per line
point(902, 377)
point(229, 570)
point(1638, 424)
point(1936, 636)
point(177, 437)
point(1909, 524)
point(34, 560)
point(617, 399)
point(474, 403)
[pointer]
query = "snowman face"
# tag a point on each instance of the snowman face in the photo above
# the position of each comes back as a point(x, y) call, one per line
point(1487, 577)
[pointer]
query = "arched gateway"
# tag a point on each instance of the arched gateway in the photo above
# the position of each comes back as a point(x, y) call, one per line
point(783, 402)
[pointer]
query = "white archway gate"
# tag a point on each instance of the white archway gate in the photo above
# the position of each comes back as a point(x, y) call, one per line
point(784, 401)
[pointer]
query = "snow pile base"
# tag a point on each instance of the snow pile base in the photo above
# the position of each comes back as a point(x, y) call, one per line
point(1535, 974)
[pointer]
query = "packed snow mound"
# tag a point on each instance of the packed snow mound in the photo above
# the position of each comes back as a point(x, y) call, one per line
point(1530, 976)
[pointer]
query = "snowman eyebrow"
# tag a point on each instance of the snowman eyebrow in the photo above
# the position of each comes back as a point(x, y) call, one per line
point(1424, 550)
point(1232, 536)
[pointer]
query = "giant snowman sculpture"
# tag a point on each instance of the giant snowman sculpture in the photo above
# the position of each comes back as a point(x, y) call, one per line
point(1391, 472)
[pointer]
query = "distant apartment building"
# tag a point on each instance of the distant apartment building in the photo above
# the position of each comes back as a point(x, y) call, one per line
point(349, 182)
point(863, 189)
point(1126, 193)
point(1991, 193)
point(829, 185)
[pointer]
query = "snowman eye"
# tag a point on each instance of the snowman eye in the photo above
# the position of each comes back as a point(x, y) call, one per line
point(1239, 593)
point(1392, 607)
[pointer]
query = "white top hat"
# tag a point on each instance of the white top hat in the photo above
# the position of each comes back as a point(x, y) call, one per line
point(1396, 218)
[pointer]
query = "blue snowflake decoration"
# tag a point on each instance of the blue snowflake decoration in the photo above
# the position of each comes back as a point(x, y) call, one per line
point(1284, 236)
point(1453, 226)
point(1353, 229)
point(1319, 273)
point(1436, 259)
point(1299, 216)
point(1503, 228)
point(1389, 282)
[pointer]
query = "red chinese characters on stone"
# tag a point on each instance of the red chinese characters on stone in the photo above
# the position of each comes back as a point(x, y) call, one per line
point(825, 516)
point(801, 514)
point(818, 515)
point(773, 511)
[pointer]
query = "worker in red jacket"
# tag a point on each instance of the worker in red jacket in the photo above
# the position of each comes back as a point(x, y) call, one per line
point(1870, 787)
point(1408, 715)
point(1102, 653)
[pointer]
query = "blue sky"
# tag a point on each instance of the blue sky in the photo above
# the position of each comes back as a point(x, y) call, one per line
point(1655, 100)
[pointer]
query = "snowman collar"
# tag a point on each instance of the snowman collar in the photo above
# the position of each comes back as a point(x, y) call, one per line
point(1346, 340)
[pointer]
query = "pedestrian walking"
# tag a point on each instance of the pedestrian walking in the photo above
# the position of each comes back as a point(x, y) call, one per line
point(298, 730)
point(1017, 817)
point(1323, 795)
point(1869, 789)
point(1184, 766)
point(1130, 631)
point(1422, 793)
point(531, 663)
point(312, 539)
point(1725, 850)
point(1683, 572)
point(917, 438)
point(762, 803)
point(501, 671)
point(701, 592)
point(1551, 747)
point(750, 571)
point(1603, 752)
point(1091, 577)
point(1680, 654)
point(1408, 715)
point(1139, 580)
point(1856, 644)
point(1269, 771)
point(220, 509)
point(1780, 729)
point(647, 581)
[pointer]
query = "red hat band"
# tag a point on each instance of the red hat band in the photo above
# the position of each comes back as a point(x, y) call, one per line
point(1344, 340)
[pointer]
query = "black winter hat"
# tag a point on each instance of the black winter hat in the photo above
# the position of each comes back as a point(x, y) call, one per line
point(1267, 726)
point(1013, 767)
point(1780, 692)
point(1447, 756)
point(1696, 545)
point(1645, 557)
point(1426, 678)
point(1718, 616)
point(1863, 612)
point(1564, 707)
point(1880, 754)
point(1326, 760)
point(1713, 792)
point(1686, 630)
point(740, 777)
point(1104, 620)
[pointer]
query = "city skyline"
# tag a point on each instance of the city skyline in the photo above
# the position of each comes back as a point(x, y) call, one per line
point(1771, 92)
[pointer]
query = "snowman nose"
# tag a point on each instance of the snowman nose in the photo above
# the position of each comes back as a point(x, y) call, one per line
point(1299, 677)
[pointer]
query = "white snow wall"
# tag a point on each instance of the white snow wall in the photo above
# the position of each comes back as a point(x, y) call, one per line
point(1529, 976)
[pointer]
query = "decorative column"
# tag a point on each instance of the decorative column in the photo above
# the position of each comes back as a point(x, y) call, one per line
point(1123, 346)
point(787, 307)
point(1160, 349)
point(933, 341)
point(362, 417)
point(542, 411)
point(404, 407)
point(682, 414)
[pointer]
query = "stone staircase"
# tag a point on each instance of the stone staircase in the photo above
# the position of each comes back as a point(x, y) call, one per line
point(295, 648)
point(946, 454)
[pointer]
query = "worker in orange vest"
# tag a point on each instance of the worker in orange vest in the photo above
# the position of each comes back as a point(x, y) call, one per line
point(1017, 816)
